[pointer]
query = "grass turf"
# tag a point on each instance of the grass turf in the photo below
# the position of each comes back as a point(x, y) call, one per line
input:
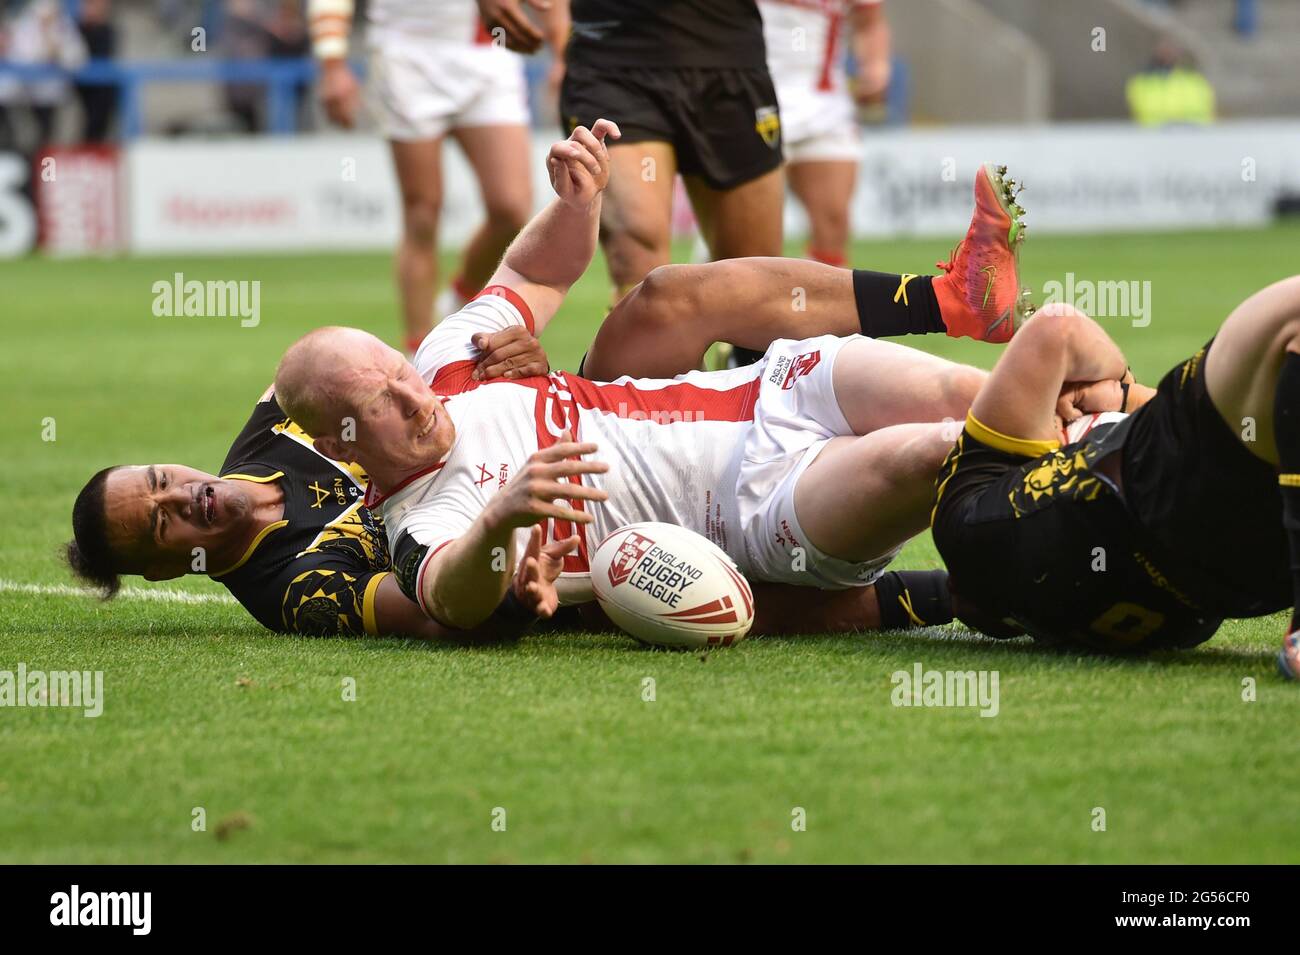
point(204, 709)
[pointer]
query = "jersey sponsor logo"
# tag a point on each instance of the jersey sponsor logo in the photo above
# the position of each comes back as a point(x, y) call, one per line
point(484, 475)
point(337, 491)
point(767, 123)
point(802, 365)
point(625, 561)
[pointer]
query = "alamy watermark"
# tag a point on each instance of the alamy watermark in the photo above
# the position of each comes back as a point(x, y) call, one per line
point(1127, 298)
point(75, 689)
point(922, 687)
point(182, 298)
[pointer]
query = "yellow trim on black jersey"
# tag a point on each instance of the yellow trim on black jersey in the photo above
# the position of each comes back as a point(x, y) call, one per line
point(1026, 447)
point(251, 547)
point(1289, 480)
point(954, 458)
point(254, 478)
point(368, 603)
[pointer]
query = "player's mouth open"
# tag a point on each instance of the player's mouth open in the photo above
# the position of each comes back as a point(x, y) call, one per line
point(208, 504)
point(428, 425)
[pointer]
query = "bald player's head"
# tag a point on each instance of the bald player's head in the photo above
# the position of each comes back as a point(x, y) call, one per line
point(363, 402)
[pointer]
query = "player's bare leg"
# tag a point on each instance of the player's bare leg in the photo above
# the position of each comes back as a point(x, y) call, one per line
point(499, 156)
point(1252, 375)
point(1243, 369)
point(636, 216)
point(825, 189)
point(664, 326)
point(879, 384)
point(742, 221)
point(863, 497)
point(419, 177)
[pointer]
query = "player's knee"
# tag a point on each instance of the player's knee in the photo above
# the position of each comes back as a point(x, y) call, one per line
point(664, 299)
point(508, 214)
point(420, 221)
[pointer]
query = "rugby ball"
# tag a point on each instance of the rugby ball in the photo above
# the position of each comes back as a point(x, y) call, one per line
point(670, 587)
point(1080, 428)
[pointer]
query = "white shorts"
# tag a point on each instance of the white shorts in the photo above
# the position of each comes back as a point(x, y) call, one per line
point(818, 125)
point(795, 415)
point(419, 87)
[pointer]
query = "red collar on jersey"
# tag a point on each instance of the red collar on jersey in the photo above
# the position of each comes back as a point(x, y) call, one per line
point(375, 497)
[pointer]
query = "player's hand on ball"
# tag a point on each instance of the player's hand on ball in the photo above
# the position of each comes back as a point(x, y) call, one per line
point(340, 93)
point(1079, 398)
point(509, 353)
point(542, 490)
point(534, 584)
point(579, 166)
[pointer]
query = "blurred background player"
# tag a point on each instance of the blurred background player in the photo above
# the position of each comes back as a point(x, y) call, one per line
point(687, 82)
point(435, 71)
point(819, 102)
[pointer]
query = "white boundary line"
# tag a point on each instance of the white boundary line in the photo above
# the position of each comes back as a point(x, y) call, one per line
point(126, 593)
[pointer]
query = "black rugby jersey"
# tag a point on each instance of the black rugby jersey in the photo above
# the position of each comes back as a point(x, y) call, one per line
point(316, 570)
point(668, 33)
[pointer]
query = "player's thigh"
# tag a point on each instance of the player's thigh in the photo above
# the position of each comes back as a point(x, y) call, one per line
point(418, 165)
point(744, 220)
point(863, 497)
point(879, 383)
point(499, 156)
point(1243, 364)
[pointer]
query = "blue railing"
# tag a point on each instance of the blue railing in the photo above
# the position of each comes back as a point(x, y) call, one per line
point(282, 78)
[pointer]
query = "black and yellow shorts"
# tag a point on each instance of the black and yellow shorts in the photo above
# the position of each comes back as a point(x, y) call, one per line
point(723, 123)
point(1029, 531)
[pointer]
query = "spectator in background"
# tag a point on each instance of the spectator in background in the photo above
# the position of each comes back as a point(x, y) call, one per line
point(98, 102)
point(1170, 90)
point(245, 37)
point(805, 54)
point(41, 33)
point(288, 40)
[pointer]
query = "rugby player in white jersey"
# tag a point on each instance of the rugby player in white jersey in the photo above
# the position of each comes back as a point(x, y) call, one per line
point(805, 55)
point(809, 468)
point(435, 71)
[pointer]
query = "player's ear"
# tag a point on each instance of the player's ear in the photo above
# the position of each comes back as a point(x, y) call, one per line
point(329, 446)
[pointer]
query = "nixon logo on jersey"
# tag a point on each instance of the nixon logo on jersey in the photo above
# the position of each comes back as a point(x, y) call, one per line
point(663, 576)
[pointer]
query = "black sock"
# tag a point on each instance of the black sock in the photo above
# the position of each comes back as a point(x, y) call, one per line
point(1286, 435)
point(913, 598)
point(891, 304)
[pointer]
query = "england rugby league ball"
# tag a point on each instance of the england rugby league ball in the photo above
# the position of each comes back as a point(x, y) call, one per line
point(1080, 428)
point(671, 587)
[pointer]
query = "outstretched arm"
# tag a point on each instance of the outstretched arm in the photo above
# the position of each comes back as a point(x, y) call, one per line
point(555, 248)
point(465, 581)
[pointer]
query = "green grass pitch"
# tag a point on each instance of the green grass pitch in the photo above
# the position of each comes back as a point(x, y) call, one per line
point(205, 709)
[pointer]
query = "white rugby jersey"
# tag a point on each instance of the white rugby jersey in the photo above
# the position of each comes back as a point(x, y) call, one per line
point(805, 42)
point(674, 446)
point(456, 21)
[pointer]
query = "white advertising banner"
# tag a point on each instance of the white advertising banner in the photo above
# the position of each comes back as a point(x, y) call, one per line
point(301, 194)
point(339, 192)
point(1081, 177)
